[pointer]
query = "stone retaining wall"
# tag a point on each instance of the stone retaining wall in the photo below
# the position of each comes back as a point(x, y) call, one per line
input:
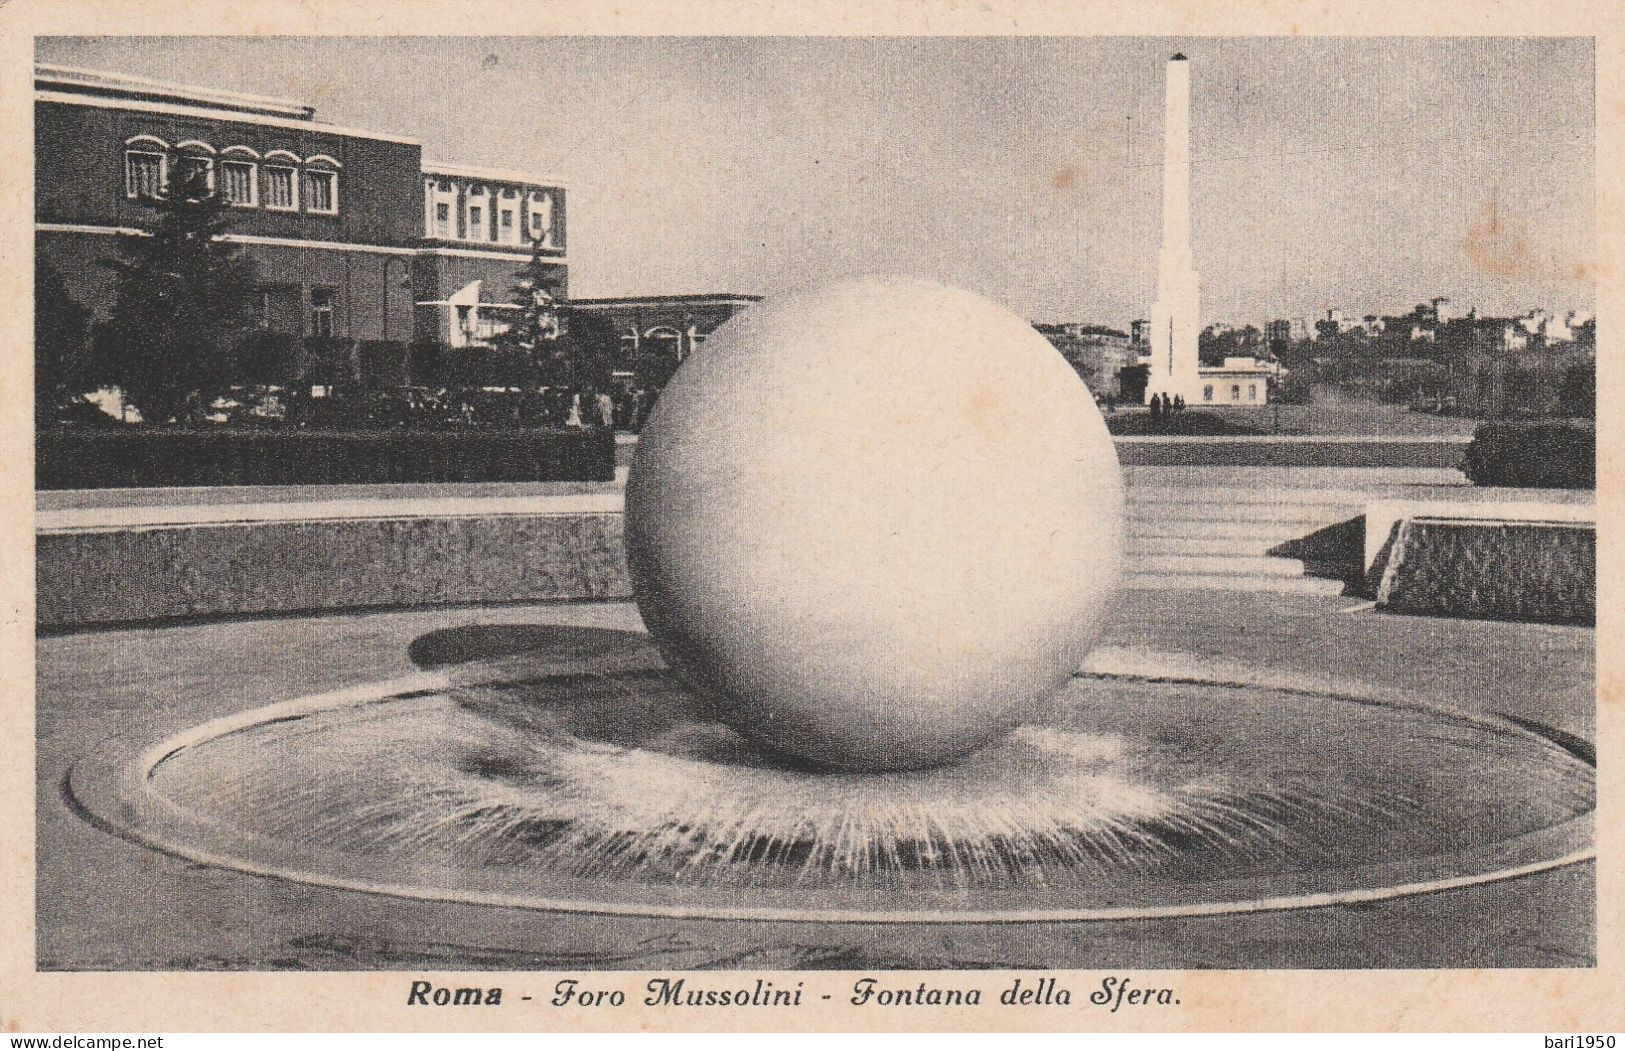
point(1504, 570)
point(120, 575)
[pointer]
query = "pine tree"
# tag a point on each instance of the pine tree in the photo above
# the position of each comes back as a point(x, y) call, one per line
point(567, 346)
point(184, 300)
point(60, 323)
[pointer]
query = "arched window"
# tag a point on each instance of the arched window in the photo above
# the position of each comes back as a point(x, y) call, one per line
point(439, 203)
point(665, 339)
point(146, 166)
point(1207, 392)
point(319, 185)
point(540, 211)
point(279, 181)
point(238, 177)
point(478, 220)
point(631, 341)
point(194, 160)
point(507, 210)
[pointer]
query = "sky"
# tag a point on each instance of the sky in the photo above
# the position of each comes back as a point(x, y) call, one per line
point(1363, 173)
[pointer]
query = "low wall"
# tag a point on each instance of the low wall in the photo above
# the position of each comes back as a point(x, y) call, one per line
point(1503, 570)
point(1381, 516)
point(158, 563)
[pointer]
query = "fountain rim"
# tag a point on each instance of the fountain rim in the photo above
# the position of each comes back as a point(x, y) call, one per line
point(113, 790)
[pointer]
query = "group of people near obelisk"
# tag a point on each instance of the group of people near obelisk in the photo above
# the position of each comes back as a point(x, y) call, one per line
point(1163, 406)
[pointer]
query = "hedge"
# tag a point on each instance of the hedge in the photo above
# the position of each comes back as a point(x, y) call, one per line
point(1535, 454)
point(84, 458)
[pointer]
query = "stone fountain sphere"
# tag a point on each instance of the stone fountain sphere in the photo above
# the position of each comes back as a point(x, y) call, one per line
point(875, 523)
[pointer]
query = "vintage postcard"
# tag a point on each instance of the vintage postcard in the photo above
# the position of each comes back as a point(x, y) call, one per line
point(862, 517)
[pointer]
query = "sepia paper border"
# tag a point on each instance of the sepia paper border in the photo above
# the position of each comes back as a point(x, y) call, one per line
point(1561, 1001)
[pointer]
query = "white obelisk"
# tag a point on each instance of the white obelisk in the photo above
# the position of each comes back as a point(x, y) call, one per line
point(1173, 316)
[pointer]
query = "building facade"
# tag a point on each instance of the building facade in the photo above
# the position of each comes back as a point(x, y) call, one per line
point(1239, 382)
point(1097, 353)
point(659, 332)
point(355, 237)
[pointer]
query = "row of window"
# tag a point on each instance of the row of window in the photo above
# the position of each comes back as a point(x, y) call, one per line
point(483, 207)
point(507, 230)
point(245, 182)
point(1235, 392)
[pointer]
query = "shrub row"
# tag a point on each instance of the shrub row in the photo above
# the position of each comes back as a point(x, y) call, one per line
point(75, 458)
point(1534, 454)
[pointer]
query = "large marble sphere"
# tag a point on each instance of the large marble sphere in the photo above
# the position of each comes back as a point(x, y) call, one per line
point(875, 523)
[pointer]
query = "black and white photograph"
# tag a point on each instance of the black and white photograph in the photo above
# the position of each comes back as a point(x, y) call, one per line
point(744, 507)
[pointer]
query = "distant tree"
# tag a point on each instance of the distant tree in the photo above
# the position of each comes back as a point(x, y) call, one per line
point(183, 303)
point(1577, 395)
point(60, 326)
point(1296, 387)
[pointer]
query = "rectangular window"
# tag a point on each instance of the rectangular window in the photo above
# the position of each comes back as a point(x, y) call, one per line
point(143, 174)
point(276, 188)
point(238, 184)
point(442, 219)
point(508, 232)
point(321, 192)
point(321, 311)
point(476, 223)
point(541, 218)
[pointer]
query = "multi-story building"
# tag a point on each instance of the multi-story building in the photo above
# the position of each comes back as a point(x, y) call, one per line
point(354, 235)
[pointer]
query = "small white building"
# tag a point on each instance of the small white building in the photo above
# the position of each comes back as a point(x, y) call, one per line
point(1238, 382)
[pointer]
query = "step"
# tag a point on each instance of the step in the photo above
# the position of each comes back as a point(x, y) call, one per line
point(1215, 565)
point(1244, 546)
point(1241, 495)
point(1200, 506)
point(1240, 513)
point(1270, 533)
point(1194, 582)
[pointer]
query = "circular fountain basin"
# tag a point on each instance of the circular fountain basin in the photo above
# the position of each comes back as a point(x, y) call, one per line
point(581, 776)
